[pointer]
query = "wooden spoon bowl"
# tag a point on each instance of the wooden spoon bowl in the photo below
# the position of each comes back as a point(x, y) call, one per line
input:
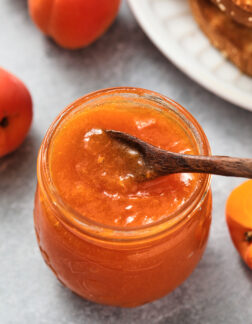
point(158, 162)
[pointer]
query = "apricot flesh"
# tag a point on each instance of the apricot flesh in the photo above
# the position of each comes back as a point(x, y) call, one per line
point(239, 220)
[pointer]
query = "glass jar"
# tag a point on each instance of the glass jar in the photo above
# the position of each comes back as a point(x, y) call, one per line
point(122, 266)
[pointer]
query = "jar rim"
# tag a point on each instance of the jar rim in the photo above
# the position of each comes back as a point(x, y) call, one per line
point(75, 220)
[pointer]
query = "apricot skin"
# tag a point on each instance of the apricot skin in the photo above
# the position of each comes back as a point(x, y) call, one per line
point(73, 24)
point(15, 112)
point(239, 220)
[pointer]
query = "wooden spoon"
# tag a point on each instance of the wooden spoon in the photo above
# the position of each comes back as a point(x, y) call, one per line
point(158, 162)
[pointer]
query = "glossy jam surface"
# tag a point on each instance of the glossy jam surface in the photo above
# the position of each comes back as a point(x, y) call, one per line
point(91, 171)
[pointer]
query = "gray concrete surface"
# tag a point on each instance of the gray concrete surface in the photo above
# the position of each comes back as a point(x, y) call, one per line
point(219, 290)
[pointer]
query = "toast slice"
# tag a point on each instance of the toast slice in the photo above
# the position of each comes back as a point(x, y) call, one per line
point(232, 39)
point(238, 10)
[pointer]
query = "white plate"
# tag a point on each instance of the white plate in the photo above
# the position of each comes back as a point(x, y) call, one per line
point(170, 25)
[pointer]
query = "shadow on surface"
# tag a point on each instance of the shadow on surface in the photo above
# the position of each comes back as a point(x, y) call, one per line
point(168, 309)
point(18, 4)
point(18, 169)
point(246, 270)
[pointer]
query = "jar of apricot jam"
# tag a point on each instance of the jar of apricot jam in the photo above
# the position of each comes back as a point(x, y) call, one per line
point(107, 237)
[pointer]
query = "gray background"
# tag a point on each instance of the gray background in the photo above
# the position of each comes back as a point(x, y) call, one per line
point(219, 290)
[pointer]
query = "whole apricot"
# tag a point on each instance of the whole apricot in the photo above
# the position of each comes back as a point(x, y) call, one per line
point(239, 220)
point(15, 112)
point(73, 24)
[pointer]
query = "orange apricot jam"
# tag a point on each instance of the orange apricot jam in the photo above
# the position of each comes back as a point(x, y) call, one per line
point(91, 171)
point(106, 236)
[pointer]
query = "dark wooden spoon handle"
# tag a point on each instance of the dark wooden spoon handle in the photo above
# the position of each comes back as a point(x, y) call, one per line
point(221, 165)
point(163, 162)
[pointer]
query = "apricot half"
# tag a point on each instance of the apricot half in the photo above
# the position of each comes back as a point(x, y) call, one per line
point(73, 24)
point(15, 112)
point(239, 220)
